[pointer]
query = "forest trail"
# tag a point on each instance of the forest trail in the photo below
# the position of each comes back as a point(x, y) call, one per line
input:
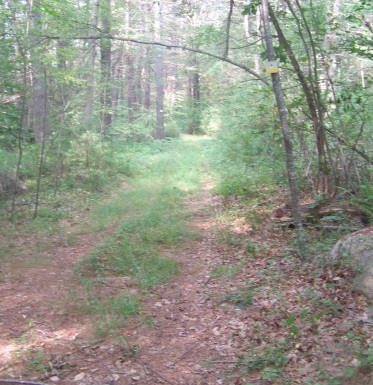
point(241, 310)
point(189, 336)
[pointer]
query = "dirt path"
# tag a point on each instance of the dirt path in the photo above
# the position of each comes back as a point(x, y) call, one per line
point(190, 337)
point(192, 330)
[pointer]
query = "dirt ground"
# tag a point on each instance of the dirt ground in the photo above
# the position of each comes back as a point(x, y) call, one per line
point(187, 330)
point(188, 334)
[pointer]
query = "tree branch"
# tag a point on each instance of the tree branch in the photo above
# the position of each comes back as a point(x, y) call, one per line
point(169, 46)
point(368, 25)
point(352, 148)
point(15, 382)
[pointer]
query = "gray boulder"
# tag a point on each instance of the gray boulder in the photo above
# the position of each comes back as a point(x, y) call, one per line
point(358, 248)
point(9, 185)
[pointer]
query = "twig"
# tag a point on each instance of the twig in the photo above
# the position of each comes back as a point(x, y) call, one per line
point(15, 382)
point(151, 370)
point(186, 353)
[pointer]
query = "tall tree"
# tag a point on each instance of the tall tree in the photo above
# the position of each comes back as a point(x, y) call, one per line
point(286, 131)
point(93, 6)
point(106, 65)
point(38, 108)
point(159, 73)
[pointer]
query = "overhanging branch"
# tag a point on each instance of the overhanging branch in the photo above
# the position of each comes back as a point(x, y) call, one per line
point(169, 46)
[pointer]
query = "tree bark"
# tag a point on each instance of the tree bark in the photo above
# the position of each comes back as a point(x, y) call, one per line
point(90, 93)
point(194, 94)
point(38, 112)
point(131, 91)
point(286, 132)
point(105, 60)
point(312, 102)
point(159, 75)
point(146, 84)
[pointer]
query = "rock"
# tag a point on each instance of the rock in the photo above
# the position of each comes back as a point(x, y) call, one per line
point(79, 377)
point(358, 247)
point(9, 185)
point(54, 379)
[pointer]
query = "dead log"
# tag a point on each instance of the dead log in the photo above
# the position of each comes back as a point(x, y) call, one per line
point(316, 211)
point(16, 382)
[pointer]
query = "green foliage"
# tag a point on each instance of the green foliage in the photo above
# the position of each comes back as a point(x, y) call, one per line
point(111, 314)
point(37, 363)
point(240, 298)
point(251, 7)
point(172, 129)
point(251, 248)
point(364, 199)
point(247, 152)
point(271, 362)
point(139, 130)
point(225, 271)
point(358, 39)
point(205, 35)
point(88, 151)
point(187, 115)
point(149, 214)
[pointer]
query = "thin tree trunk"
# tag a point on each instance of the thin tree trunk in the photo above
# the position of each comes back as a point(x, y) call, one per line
point(159, 75)
point(229, 20)
point(195, 94)
point(286, 131)
point(39, 105)
point(146, 84)
point(90, 93)
point(41, 157)
point(312, 102)
point(106, 113)
point(131, 92)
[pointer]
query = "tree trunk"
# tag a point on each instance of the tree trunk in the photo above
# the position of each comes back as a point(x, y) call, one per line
point(131, 91)
point(286, 131)
point(38, 112)
point(90, 93)
point(105, 60)
point(159, 75)
point(310, 93)
point(195, 95)
point(146, 84)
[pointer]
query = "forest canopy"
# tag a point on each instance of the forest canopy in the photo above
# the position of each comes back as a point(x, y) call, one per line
point(78, 77)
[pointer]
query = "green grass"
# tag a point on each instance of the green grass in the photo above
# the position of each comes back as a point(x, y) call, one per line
point(111, 314)
point(150, 214)
point(224, 271)
point(145, 220)
point(240, 298)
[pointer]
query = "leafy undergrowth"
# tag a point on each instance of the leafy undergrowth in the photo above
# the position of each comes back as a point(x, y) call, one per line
point(303, 322)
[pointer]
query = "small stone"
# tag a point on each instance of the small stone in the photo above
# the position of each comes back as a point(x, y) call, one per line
point(115, 377)
point(79, 377)
point(54, 379)
point(137, 378)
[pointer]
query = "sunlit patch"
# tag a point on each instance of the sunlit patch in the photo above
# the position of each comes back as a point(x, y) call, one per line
point(6, 352)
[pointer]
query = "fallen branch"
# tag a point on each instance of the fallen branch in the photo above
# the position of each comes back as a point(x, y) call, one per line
point(147, 368)
point(16, 382)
